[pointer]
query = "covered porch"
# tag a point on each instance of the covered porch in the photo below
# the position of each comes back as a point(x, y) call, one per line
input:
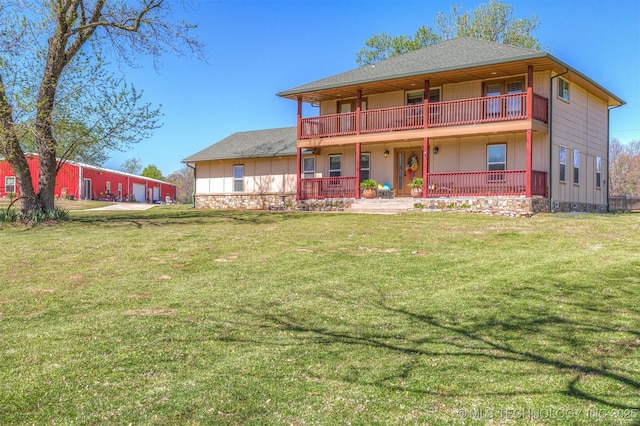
point(503, 183)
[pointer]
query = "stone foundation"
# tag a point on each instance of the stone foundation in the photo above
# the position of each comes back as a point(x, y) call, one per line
point(486, 205)
point(245, 201)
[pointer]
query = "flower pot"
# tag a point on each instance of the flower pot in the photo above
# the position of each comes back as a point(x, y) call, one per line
point(369, 193)
point(416, 192)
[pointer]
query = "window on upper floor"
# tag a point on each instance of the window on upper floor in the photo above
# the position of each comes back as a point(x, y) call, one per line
point(563, 164)
point(563, 89)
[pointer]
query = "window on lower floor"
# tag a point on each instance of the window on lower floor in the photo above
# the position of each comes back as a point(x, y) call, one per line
point(238, 178)
point(563, 163)
point(309, 167)
point(10, 184)
point(108, 187)
point(335, 165)
point(120, 191)
point(365, 166)
point(576, 167)
point(496, 160)
point(598, 172)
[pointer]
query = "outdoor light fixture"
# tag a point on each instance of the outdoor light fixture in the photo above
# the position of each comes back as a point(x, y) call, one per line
point(386, 152)
point(435, 149)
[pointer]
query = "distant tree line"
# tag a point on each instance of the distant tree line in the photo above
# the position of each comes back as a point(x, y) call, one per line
point(624, 168)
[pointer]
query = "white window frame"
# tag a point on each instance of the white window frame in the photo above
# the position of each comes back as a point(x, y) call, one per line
point(562, 161)
point(13, 185)
point(309, 167)
point(490, 164)
point(598, 172)
point(563, 89)
point(576, 167)
point(334, 172)
point(108, 187)
point(366, 170)
point(238, 178)
point(119, 191)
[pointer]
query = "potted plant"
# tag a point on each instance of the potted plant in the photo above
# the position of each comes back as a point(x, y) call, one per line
point(369, 187)
point(416, 187)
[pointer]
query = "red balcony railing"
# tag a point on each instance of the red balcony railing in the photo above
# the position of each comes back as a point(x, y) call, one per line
point(330, 187)
point(451, 113)
point(509, 183)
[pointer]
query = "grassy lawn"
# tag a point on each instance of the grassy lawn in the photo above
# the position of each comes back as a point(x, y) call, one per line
point(176, 316)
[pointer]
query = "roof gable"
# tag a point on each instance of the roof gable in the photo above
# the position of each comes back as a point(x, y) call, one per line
point(252, 144)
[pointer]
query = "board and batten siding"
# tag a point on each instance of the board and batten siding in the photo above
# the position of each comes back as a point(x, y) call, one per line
point(271, 175)
point(580, 124)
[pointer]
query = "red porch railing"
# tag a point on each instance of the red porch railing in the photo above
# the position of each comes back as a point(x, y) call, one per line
point(509, 183)
point(451, 113)
point(506, 183)
point(330, 187)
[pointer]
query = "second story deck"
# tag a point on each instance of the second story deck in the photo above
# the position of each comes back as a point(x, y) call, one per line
point(488, 109)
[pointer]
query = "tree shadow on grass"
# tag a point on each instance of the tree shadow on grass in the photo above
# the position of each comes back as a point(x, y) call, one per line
point(186, 217)
point(482, 341)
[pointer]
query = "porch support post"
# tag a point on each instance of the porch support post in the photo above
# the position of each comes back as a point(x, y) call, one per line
point(425, 102)
point(425, 166)
point(529, 162)
point(358, 109)
point(530, 92)
point(529, 131)
point(298, 170)
point(299, 121)
point(358, 152)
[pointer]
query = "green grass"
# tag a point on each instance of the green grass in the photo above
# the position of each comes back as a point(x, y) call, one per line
point(176, 316)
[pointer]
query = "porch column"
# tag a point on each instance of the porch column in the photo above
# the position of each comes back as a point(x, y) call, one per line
point(529, 131)
point(425, 166)
point(358, 152)
point(529, 162)
point(298, 172)
point(299, 120)
point(425, 102)
point(530, 92)
point(358, 109)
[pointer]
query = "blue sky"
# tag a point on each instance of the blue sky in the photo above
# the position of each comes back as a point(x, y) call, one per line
point(258, 48)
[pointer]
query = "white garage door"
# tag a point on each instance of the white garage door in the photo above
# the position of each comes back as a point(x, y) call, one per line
point(139, 192)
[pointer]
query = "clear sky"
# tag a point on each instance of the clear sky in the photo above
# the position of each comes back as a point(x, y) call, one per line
point(258, 48)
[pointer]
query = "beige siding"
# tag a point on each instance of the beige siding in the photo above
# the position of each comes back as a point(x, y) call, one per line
point(452, 92)
point(580, 124)
point(386, 100)
point(276, 175)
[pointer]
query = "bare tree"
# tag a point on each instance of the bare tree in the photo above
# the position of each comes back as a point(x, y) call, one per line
point(183, 179)
point(624, 168)
point(52, 77)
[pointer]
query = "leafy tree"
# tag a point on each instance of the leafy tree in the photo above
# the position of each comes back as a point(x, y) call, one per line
point(493, 21)
point(132, 165)
point(54, 83)
point(151, 171)
point(183, 179)
point(624, 168)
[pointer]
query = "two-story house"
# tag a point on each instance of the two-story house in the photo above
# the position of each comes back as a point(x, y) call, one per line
point(472, 118)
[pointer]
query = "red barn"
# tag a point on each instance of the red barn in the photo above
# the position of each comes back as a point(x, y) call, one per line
point(85, 182)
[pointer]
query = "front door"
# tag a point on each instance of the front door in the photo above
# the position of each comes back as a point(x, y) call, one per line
point(408, 164)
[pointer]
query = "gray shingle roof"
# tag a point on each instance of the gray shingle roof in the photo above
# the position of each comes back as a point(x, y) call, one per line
point(252, 144)
point(453, 54)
